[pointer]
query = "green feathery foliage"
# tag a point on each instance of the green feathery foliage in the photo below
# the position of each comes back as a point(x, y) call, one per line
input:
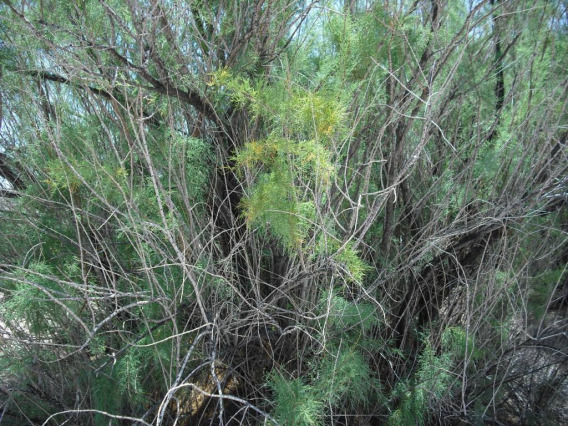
point(296, 403)
point(433, 380)
point(345, 379)
point(359, 207)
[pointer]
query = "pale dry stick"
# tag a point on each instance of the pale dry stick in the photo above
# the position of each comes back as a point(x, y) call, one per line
point(234, 288)
point(403, 174)
point(141, 336)
point(170, 394)
point(174, 336)
point(91, 335)
point(214, 374)
point(327, 313)
point(227, 397)
point(55, 140)
point(428, 118)
point(80, 287)
point(104, 413)
point(158, 191)
point(54, 299)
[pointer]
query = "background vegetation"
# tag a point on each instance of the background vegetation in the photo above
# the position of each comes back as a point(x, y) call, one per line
point(285, 212)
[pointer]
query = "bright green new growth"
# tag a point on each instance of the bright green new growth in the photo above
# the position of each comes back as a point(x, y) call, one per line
point(345, 379)
point(351, 261)
point(400, 167)
point(276, 200)
point(31, 303)
point(296, 403)
point(341, 377)
point(293, 160)
point(345, 320)
point(433, 380)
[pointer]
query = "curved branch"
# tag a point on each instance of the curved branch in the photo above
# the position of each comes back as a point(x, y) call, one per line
point(7, 172)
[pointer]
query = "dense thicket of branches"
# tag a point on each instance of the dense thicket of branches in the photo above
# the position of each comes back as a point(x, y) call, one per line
point(299, 212)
